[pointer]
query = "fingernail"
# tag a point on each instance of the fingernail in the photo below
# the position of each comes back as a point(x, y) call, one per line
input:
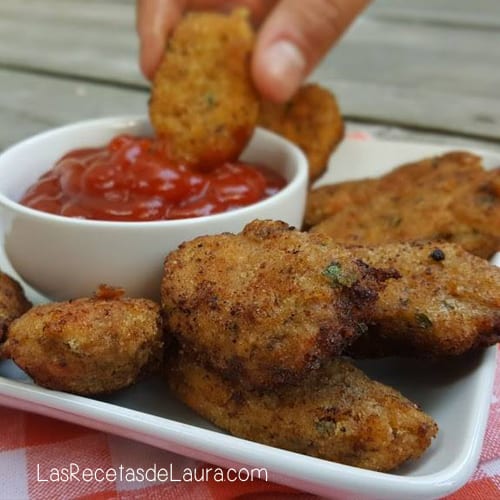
point(286, 64)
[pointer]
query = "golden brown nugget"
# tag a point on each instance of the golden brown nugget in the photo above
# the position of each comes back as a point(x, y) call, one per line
point(312, 120)
point(337, 413)
point(448, 174)
point(330, 199)
point(446, 302)
point(88, 346)
point(268, 304)
point(13, 303)
point(435, 199)
point(479, 204)
point(203, 101)
point(407, 217)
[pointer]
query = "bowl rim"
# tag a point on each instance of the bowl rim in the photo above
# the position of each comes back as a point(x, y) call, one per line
point(300, 176)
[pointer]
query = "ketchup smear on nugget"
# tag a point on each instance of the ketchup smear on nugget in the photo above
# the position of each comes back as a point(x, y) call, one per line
point(132, 179)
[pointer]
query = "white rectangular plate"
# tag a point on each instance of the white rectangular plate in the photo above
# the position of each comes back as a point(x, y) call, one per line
point(456, 393)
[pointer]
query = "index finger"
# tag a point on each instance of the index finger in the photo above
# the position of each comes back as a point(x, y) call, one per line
point(155, 19)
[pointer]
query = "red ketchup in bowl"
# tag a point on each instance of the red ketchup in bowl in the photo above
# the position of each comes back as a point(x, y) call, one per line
point(132, 179)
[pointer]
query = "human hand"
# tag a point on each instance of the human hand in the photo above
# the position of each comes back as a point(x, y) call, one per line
point(293, 36)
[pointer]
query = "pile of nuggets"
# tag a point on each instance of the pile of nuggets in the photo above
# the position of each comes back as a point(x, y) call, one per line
point(263, 321)
point(256, 331)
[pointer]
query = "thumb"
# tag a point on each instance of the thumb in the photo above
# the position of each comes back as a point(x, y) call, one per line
point(295, 36)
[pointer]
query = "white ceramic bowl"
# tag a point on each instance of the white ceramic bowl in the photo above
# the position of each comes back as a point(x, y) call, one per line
point(64, 258)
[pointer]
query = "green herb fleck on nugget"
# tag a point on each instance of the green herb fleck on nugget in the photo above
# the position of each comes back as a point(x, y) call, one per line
point(339, 276)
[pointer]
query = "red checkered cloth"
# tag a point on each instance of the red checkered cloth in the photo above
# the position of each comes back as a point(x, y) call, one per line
point(31, 446)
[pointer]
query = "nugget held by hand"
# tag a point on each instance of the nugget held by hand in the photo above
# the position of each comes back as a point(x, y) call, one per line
point(88, 346)
point(203, 101)
point(268, 304)
point(446, 302)
point(337, 413)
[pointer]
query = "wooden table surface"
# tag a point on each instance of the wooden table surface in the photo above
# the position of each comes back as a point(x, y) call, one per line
point(414, 71)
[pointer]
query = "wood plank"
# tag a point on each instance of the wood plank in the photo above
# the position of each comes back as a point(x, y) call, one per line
point(417, 75)
point(31, 103)
point(422, 57)
point(433, 110)
point(95, 39)
point(483, 14)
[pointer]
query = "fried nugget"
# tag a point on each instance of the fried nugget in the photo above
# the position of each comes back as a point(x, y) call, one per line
point(328, 200)
point(88, 346)
point(312, 120)
point(438, 205)
point(203, 102)
point(268, 304)
point(337, 413)
point(479, 204)
point(447, 173)
point(446, 302)
point(401, 218)
point(13, 303)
